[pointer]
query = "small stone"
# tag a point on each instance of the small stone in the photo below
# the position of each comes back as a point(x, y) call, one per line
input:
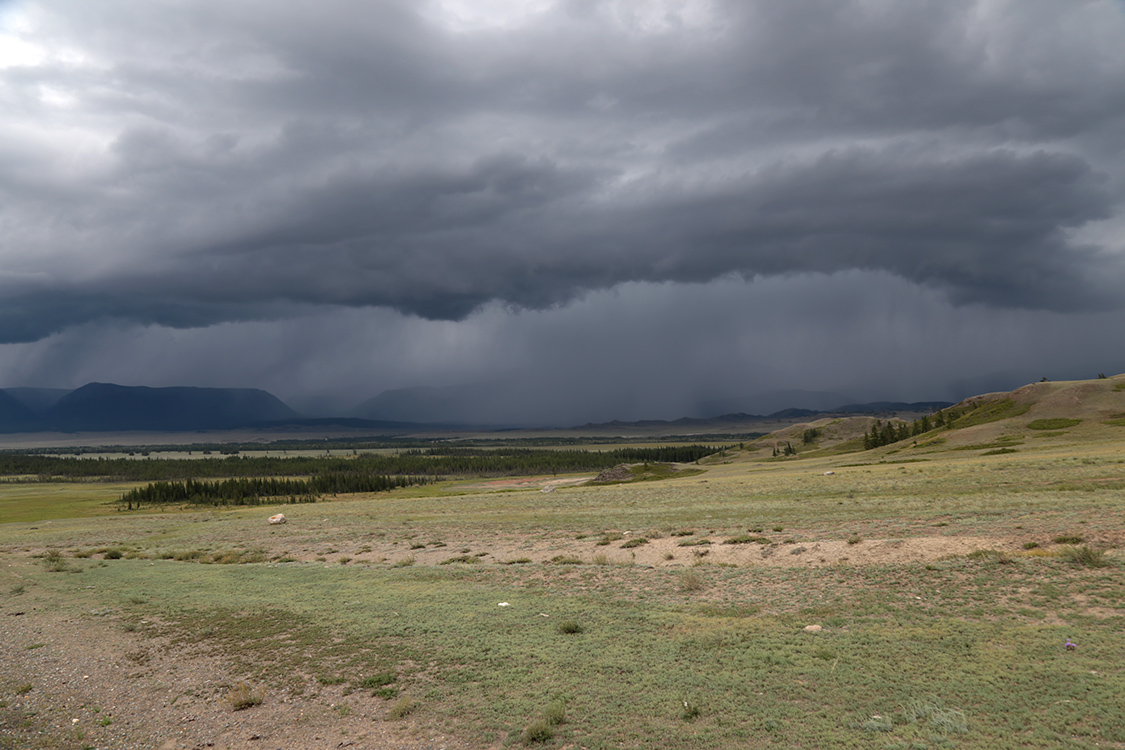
point(813, 628)
point(278, 519)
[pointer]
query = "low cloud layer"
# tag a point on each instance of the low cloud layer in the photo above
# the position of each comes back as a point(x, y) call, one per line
point(213, 167)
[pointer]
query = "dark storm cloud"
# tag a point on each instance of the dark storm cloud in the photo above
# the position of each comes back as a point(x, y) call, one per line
point(211, 162)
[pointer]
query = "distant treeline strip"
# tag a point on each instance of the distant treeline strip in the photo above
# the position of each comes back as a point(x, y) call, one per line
point(258, 490)
point(431, 462)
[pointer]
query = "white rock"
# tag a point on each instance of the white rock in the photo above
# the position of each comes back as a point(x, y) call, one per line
point(279, 518)
point(813, 628)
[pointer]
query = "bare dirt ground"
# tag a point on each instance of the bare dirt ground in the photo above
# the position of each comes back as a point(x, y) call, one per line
point(95, 685)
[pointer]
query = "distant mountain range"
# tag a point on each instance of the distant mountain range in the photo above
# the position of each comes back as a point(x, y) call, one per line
point(104, 407)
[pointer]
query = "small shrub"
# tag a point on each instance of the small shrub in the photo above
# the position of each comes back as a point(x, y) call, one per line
point(242, 696)
point(609, 536)
point(702, 542)
point(634, 543)
point(854, 539)
point(404, 563)
point(1030, 545)
point(566, 560)
point(691, 711)
point(23, 689)
point(520, 561)
point(327, 680)
point(601, 558)
point(112, 554)
point(683, 532)
point(18, 589)
point(567, 627)
point(1086, 556)
point(538, 731)
point(779, 529)
point(386, 693)
point(401, 709)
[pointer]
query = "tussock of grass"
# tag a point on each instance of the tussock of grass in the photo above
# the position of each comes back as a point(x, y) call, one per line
point(635, 542)
point(402, 708)
point(466, 559)
point(747, 539)
point(379, 680)
point(944, 720)
point(555, 713)
point(1067, 539)
point(991, 555)
point(691, 581)
point(242, 696)
point(538, 731)
point(1086, 556)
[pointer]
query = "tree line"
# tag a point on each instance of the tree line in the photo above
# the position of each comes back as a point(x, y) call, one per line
point(257, 490)
point(431, 462)
point(885, 433)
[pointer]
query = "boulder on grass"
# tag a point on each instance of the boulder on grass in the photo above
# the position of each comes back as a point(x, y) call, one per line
point(279, 518)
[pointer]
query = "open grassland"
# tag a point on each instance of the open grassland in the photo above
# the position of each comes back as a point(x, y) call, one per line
point(944, 590)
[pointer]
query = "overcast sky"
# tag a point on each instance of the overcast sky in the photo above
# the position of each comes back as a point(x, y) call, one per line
point(644, 208)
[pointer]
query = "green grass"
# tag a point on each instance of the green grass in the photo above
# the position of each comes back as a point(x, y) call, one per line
point(965, 651)
point(646, 645)
point(46, 501)
point(992, 411)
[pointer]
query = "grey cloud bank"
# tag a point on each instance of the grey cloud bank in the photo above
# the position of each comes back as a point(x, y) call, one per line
point(700, 197)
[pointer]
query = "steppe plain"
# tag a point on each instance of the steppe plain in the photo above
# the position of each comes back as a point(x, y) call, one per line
point(916, 595)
